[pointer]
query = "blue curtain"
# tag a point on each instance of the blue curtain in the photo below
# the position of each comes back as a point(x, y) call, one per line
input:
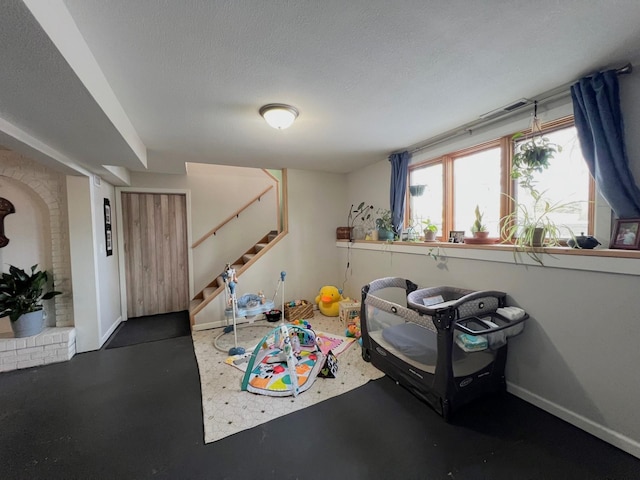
point(399, 169)
point(598, 118)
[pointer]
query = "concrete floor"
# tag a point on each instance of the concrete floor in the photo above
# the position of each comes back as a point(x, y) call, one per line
point(135, 412)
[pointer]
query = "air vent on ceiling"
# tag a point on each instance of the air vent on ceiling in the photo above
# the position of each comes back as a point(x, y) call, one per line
point(506, 109)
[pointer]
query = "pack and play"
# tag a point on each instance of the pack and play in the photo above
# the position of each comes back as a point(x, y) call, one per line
point(447, 345)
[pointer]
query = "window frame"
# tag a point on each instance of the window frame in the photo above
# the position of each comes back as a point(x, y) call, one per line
point(507, 184)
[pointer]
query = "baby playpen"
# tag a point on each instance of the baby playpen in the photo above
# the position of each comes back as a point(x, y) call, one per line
point(447, 345)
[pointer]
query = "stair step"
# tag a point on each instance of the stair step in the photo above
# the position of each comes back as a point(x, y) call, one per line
point(237, 266)
point(194, 303)
point(208, 291)
point(260, 246)
point(272, 236)
point(248, 256)
point(220, 281)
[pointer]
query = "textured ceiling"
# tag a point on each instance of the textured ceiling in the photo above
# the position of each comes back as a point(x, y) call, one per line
point(369, 77)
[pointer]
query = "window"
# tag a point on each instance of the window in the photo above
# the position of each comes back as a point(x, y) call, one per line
point(457, 182)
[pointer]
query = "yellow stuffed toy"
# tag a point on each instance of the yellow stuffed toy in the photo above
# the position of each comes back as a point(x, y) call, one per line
point(329, 301)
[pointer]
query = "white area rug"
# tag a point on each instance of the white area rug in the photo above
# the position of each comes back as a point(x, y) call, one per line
point(227, 410)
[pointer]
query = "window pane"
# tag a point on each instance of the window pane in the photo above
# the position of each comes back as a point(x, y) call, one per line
point(429, 204)
point(566, 180)
point(476, 181)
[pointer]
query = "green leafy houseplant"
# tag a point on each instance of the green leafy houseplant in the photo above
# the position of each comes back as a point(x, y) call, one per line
point(430, 230)
point(361, 216)
point(21, 292)
point(531, 226)
point(384, 224)
point(530, 157)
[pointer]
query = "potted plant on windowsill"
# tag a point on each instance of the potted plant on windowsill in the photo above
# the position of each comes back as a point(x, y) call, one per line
point(530, 227)
point(384, 224)
point(357, 220)
point(21, 296)
point(479, 229)
point(430, 230)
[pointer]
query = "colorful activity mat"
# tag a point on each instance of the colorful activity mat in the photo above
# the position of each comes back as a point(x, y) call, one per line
point(327, 342)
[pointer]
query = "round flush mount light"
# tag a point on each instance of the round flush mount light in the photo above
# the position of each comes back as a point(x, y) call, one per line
point(279, 115)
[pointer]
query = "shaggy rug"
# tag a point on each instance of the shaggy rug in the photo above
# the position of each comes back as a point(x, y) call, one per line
point(227, 410)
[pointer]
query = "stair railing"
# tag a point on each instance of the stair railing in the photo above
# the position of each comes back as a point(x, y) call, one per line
point(236, 214)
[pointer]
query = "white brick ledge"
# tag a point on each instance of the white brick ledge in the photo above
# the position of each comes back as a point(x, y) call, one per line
point(52, 345)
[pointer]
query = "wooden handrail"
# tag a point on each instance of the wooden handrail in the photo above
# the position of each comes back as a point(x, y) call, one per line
point(229, 218)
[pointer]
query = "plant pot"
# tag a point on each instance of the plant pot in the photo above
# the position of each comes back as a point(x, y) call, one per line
point(385, 235)
point(537, 237)
point(416, 190)
point(429, 236)
point(480, 235)
point(28, 324)
point(358, 232)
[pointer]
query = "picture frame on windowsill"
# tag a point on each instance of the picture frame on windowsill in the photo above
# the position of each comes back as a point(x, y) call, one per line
point(626, 234)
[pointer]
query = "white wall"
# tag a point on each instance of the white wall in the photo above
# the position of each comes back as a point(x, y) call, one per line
point(307, 254)
point(107, 272)
point(216, 193)
point(578, 356)
point(96, 291)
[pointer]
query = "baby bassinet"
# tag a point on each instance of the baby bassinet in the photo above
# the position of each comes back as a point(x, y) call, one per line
point(447, 345)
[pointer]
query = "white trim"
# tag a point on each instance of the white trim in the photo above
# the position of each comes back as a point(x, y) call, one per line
point(108, 333)
point(118, 206)
point(623, 442)
point(505, 254)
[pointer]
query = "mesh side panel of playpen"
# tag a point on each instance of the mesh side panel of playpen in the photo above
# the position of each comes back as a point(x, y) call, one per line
point(393, 308)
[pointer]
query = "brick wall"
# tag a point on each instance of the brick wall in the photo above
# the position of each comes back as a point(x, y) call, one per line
point(50, 186)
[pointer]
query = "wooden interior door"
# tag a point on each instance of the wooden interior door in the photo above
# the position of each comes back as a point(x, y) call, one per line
point(155, 250)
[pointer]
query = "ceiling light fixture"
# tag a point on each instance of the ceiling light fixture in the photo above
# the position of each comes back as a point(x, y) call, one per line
point(279, 115)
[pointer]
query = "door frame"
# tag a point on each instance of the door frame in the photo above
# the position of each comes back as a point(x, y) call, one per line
point(121, 259)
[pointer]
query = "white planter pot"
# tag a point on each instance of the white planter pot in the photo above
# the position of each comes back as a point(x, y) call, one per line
point(28, 324)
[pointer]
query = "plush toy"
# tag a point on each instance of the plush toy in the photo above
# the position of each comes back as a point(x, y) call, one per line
point(329, 301)
point(353, 329)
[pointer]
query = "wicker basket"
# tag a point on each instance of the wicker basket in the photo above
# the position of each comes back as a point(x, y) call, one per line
point(343, 233)
point(304, 310)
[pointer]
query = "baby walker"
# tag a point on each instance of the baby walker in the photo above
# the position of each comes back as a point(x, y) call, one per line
point(249, 305)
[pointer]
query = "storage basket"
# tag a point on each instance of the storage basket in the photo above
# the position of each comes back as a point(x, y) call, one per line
point(343, 233)
point(349, 310)
point(304, 310)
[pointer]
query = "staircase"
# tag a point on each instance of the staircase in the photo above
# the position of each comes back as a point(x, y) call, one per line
point(216, 287)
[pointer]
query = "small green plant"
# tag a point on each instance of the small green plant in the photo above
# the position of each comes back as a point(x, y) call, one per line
point(530, 226)
point(362, 213)
point(478, 226)
point(384, 222)
point(428, 225)
point(530, 157)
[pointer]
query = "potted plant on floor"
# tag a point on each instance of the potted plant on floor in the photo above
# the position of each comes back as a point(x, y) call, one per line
point(21, 296)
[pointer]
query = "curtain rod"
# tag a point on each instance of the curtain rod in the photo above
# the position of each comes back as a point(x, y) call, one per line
point(543, 98)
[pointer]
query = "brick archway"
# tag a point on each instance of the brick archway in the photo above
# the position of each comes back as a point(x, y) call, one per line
point(50, 187)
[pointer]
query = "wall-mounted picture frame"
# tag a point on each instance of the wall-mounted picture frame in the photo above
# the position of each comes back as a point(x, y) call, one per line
point(107, 227)
point(456, 236)
point(626, 234)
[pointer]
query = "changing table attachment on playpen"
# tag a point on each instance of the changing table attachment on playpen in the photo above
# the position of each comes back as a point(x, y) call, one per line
point(447, 345)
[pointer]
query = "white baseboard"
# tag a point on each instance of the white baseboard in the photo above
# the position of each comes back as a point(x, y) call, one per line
point(616, 439)
point(112, 329)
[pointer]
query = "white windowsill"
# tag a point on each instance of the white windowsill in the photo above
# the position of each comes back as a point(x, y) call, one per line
point(624, 262)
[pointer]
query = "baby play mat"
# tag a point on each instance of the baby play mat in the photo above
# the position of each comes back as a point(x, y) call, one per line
point(227, 409)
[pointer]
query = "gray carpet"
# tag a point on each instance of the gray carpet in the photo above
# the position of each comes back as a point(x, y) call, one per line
point(150, 328)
